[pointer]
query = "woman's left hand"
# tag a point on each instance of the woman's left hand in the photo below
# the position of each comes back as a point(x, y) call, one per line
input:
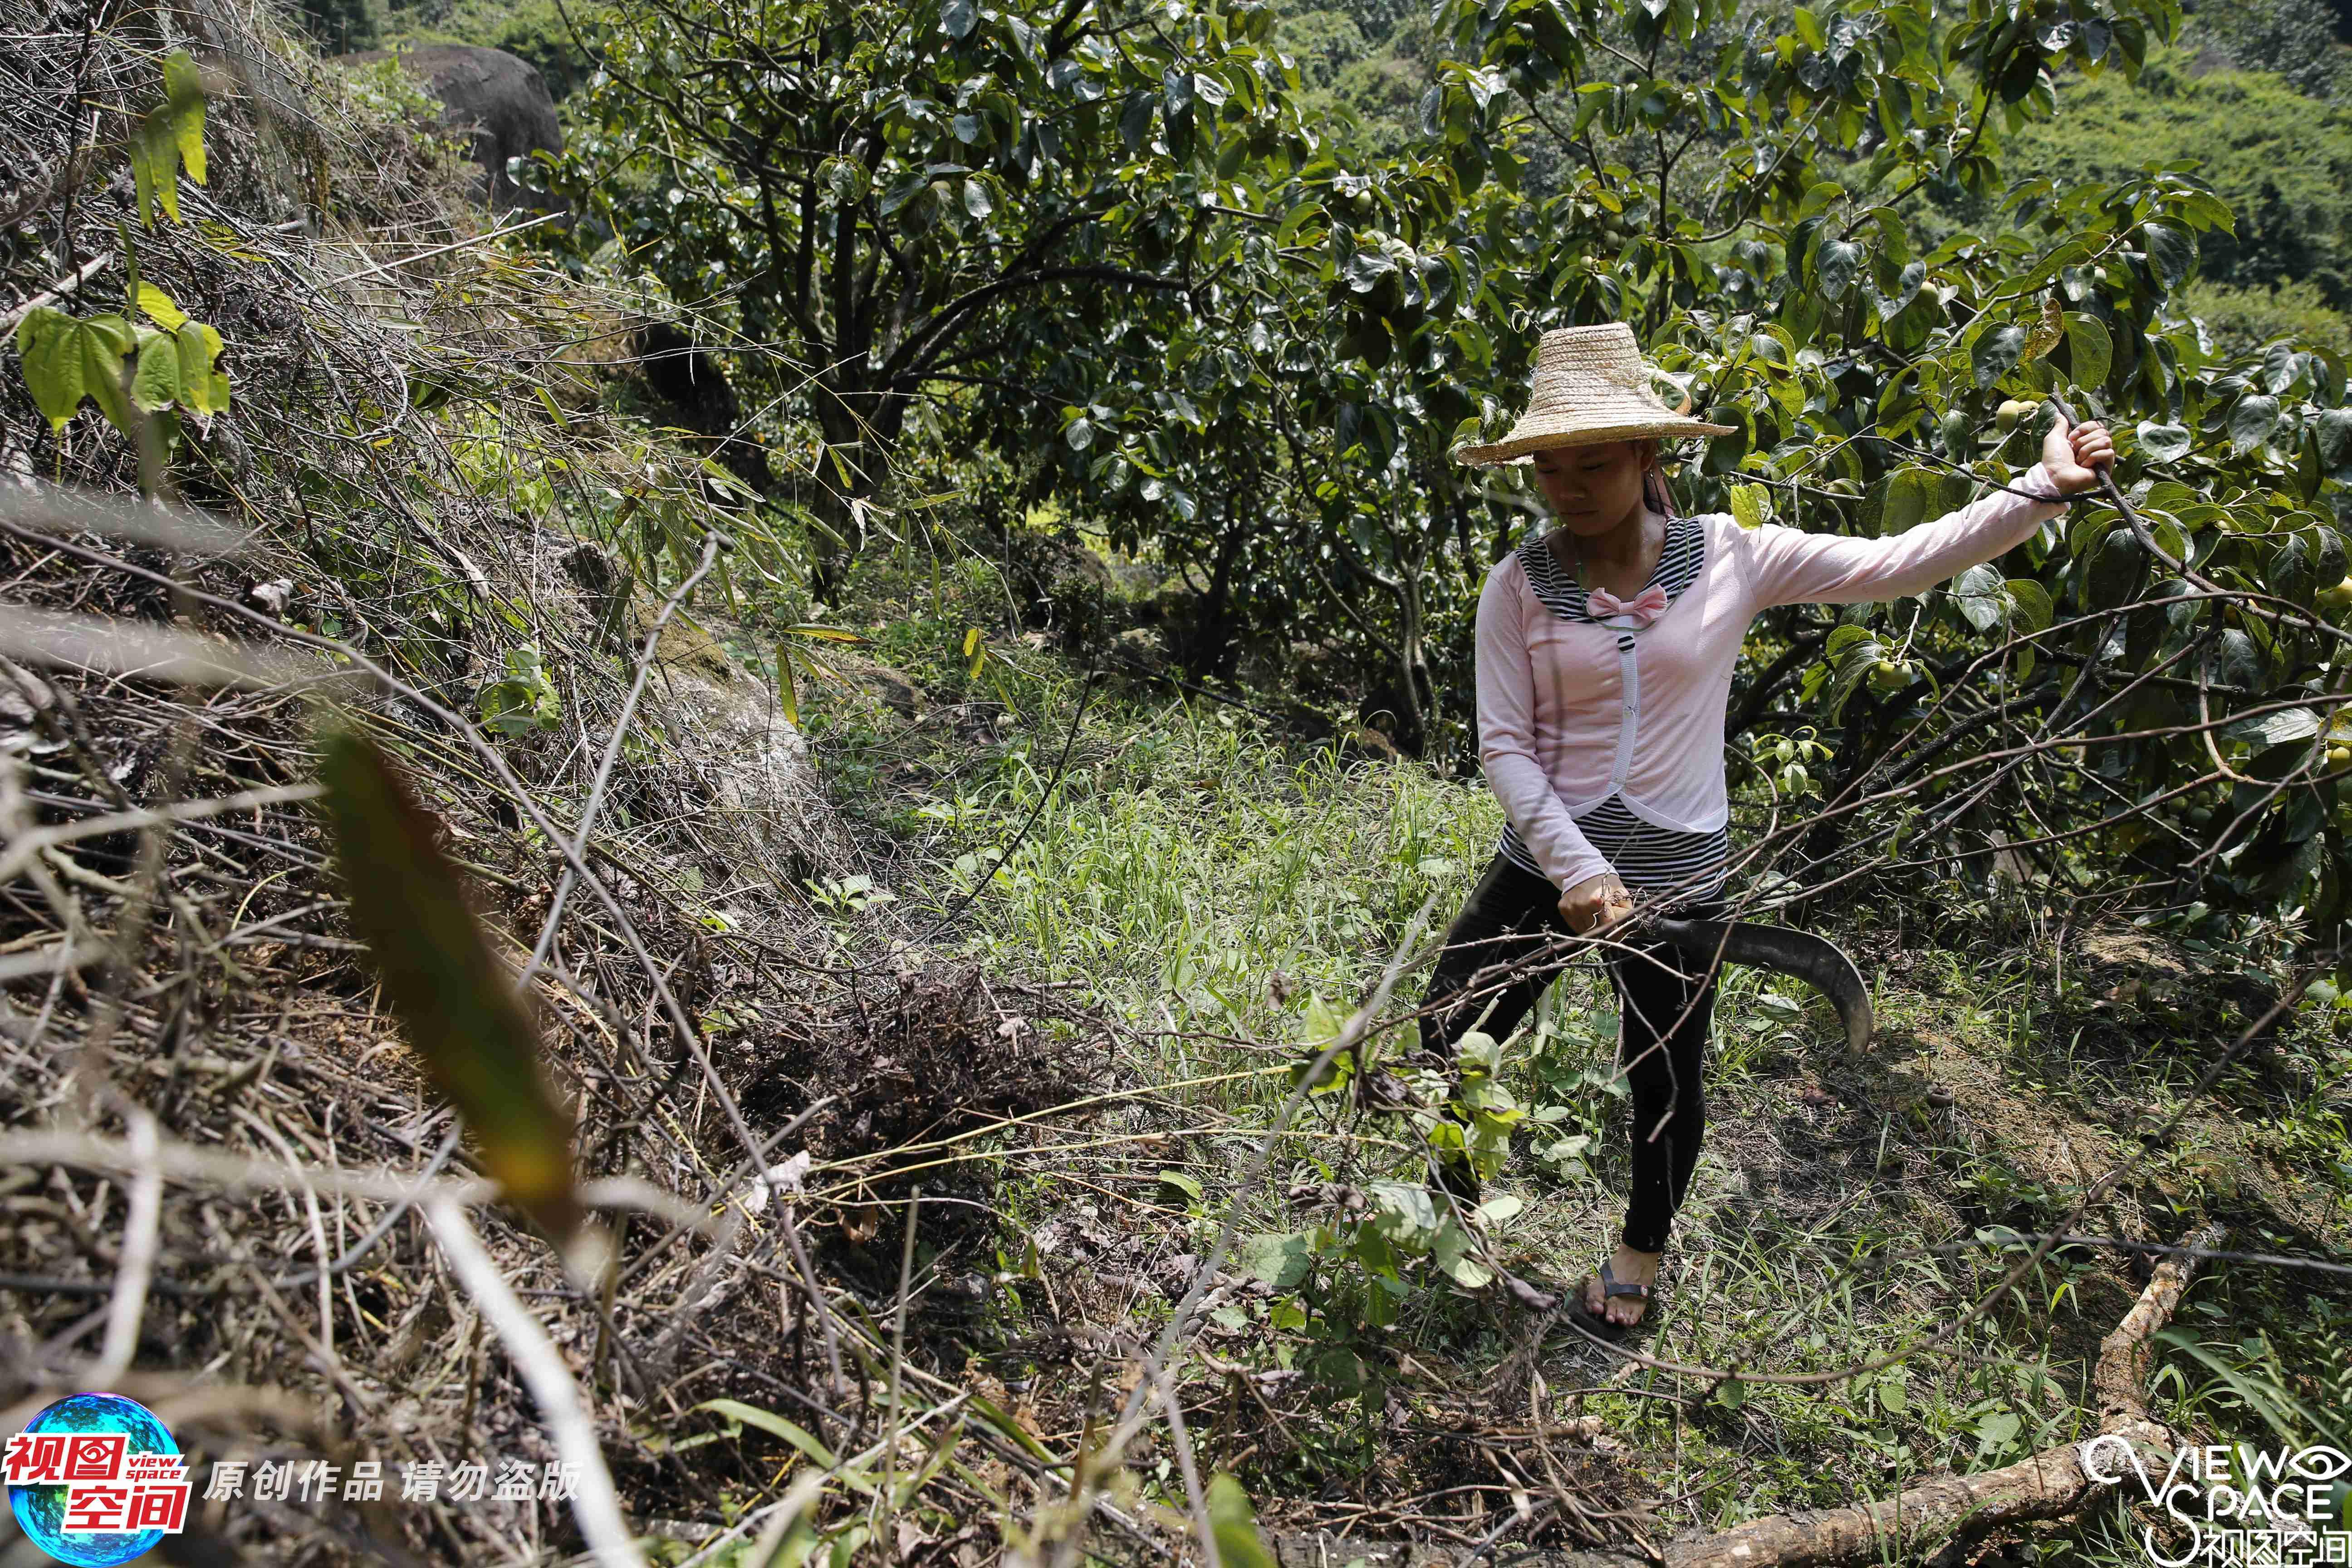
point(2072, 458)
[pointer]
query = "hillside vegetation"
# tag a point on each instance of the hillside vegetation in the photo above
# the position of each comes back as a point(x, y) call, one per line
point(775, 842)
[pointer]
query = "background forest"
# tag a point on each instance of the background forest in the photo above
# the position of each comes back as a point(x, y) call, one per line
point(912, 587)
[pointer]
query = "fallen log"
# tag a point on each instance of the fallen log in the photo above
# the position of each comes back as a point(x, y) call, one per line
point(2051, 1484)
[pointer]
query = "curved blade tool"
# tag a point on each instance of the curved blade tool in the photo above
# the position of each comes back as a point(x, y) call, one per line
point(1816, 960)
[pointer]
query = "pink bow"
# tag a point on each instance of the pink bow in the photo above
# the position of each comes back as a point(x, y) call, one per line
point(1644, 607)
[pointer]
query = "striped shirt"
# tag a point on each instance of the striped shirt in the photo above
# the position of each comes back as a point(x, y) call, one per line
point(1643, 855)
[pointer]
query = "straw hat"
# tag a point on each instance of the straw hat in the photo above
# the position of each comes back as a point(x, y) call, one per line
point(1591, 385)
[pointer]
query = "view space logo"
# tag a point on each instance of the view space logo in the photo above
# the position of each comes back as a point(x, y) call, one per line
point(95, 1479)
point(2242, 1507)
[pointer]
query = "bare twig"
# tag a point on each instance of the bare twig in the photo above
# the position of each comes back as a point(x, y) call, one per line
point(595, 1504)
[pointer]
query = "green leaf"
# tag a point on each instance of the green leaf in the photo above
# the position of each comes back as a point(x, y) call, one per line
point(2333, 432)
point(1850, 671)
point(791, 1433)
point(2237, 661)
point(1402, 1211)
point(457, 1003)
point(2290, 570)
point(1907, 494)
point(2094, 351)
point(1186, 1188)
point(775, 1425)
point(1135, 118)
point(156, 383)
point(1996, 353)
point(2170, 250)
point(997, 1417)
point(2166, 443)
point(198, 346)
point(2035, 610)
point(1982, 597)
point(160, 308)
point(525, 701)
point(2251, 423)
point(1747, 505)
point(155, 167)
point(1453, 1251)
point(2114, 573)
point(1995, 1431)
point(1844, 639)
point(2283, 727)
point(184, 99)
point(1235, 1524)
point(105, 341)
point(1501, 1209)
point(1281, 1259)
point(49, 344)
point(1835, 266)
point(788, 691)
point(976, 199)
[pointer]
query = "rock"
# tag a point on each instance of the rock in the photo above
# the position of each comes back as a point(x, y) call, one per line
point(1141, 646)
point(728, 725)
point(501, 98)
point(686, 645)
point(879, 681)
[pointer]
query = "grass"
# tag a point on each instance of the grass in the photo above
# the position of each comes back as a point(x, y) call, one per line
point(1202, 882)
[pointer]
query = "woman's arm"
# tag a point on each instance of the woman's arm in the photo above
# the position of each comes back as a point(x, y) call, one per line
point(1506, 737)
point(1792, 567)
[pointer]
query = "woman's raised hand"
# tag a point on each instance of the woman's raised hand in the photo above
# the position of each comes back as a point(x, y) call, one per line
point(2072, 458)
point(1594, 902)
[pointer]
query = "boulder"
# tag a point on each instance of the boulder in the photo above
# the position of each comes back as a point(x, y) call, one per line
point(762, 789)
point(501, 98)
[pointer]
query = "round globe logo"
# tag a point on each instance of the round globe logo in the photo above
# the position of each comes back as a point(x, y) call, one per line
point(96, 1479)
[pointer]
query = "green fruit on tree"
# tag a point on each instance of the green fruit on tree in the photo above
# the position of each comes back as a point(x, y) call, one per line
point(1886, 676)
point(2010, 415)
point(2339, 755)
point(2338, 597)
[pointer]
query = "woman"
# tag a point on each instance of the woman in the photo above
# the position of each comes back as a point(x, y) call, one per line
point(1605, 649)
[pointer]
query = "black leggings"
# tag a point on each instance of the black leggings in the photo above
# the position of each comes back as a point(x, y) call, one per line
point(1512, 915)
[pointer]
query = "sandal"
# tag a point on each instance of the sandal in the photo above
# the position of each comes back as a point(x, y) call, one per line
point(1612, 1286)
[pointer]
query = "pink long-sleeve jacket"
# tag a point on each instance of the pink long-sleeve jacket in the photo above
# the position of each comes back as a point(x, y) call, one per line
point(1570, 713)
